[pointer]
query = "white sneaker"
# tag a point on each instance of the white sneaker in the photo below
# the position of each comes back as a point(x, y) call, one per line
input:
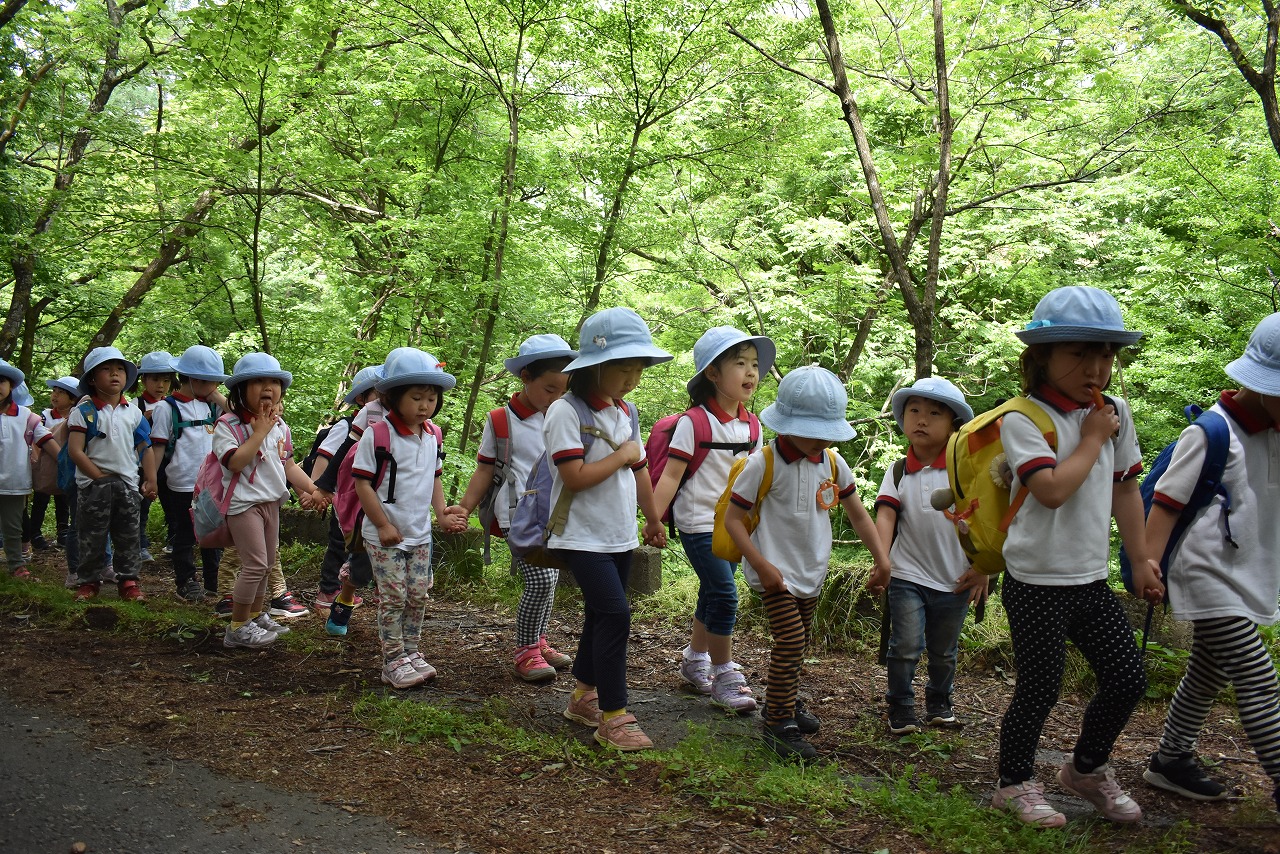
point(265, 622)
point(1026, 801)
point(250, 635)
point(425, 670)
point(401, 674)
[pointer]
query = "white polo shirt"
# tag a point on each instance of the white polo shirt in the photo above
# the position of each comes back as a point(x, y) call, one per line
point(15, 453)
point(194, 442)
point(1072, 544)
point(1207, 577)
point(794, 534)
point(333, 440)
point(371, 413)
point(114, 450)
point(926, 549)
point(262, 481)
point(694, 508)
point(524, 424)
point(417, 465)
point(602, 519)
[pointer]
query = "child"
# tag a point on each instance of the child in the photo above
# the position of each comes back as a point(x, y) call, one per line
point(1057, 550)
point(155, 377)
point(255, 443)
point(20, 432)
point(107, 499)
point(539, 364)
point(925, 611)
point(336, 444)
point(63, 394)
point(728, 365)
point(181, 437)
point(785, 559)
point(1226, 587)
point(600, 532)
point(398, 534)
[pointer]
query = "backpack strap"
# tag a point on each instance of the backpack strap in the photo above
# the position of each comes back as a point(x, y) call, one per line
point(385, 463)
point(29, 434)
point(899, 469)
point(1218, 440)
point(89, 413)
point(560, 512)
point(1031, 409)
point(500, 418)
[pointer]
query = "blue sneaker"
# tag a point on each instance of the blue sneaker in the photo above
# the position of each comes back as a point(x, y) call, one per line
point(146, 556)
point(339, 616)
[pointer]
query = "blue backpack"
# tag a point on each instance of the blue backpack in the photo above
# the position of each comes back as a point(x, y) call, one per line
point(1208, 485)
point(66, 468)
point(534, 520)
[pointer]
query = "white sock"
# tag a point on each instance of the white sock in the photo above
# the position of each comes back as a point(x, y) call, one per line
point(690, 655)
point(717, 669)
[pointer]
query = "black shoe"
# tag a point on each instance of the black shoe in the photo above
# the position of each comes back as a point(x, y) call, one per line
point(943, 716)
point(192, 591)
point(1185, 777)
point(784, 739)
point(903, 720)
point(806, 720)
point(40, 544)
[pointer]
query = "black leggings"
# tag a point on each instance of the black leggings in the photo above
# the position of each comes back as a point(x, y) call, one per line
point(1041, 621)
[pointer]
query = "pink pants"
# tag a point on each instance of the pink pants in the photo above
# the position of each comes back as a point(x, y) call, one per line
point(256, 533)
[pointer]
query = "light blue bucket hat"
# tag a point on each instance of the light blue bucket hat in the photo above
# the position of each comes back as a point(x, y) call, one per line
point(410, 366)
point(811, 404)
point(99, 356)
point(363, 382)
point(21, 395)
point(1259, 368)
point(931, 388)
point(71, 385)
point(156, 362)
point(1077, 313)
point(537, 348)
point(615, 334)
point(718, 339)
point(255, 366)
point(12, 374)
point(200, 363)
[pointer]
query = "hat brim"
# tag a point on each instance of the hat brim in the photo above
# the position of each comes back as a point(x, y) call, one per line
point(649, 355)
point(827, 430)
point(436, 378)
point(1057, 334)
point(286, 378)
point(516, 364)
point(902, 395)
point(766, 355)
point(69, 389)
point(356, 390)
point(130, 374)
point(13, 375)
point(195, 375)
point(1254, 377)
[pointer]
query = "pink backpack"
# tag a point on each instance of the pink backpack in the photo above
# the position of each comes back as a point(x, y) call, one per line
point(346, 504)
point(658, 448)
point(209, 501)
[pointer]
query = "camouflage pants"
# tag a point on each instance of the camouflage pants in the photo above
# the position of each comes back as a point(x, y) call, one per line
point(108, 506)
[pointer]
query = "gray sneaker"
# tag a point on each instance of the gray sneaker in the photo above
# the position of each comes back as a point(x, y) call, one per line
point(697, 673)
point(400, 673)
point(265, 622)
point(250, 636)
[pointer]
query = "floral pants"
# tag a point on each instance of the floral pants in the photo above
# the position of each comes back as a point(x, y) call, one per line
point(404, 581)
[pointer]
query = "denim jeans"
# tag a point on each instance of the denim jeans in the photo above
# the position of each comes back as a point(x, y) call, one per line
point(717, 607)
point(923, 618)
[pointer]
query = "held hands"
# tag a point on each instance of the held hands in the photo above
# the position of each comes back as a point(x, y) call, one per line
point(148, 490)
point(878, 581)
point(317, 500)
point(655, 534)
point(453, 520)
point(1146, 581)
point(975, 584)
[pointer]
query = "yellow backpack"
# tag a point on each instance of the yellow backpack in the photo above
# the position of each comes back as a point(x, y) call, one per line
point(722, 545)
point(980, 478)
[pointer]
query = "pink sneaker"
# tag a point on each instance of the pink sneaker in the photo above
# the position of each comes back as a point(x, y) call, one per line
point(730, 691)
point(623, 733)
point(531, 666)
point(1100, 789)
point(1026, 801)
point(553, 656)
point(585, 711)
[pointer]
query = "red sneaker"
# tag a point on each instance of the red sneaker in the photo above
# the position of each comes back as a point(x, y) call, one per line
point(87, 591)
point(131, 591)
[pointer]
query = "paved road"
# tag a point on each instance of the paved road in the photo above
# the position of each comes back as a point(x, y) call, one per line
point(57, 789)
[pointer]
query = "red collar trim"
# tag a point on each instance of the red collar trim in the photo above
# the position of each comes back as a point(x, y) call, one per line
point(1057, 399)
point(146, 396)
point(12, 409)
point(99, 403)
point(182, 398)
point(600, 404)
point(246, 417)
point(790, 453)
point(914, 465)
point(397, 424)
point(522, 410)
point(713, 406)
point(59, 414)
point(1249, 421)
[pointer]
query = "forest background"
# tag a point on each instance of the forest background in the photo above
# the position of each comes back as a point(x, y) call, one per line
point(884, 189)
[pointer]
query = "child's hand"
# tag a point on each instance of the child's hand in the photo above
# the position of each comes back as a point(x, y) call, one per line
point(1101, 424)
point(149, 490)
point(975, 584)
point(324, 497)
point(457, 510)
point(264, 421)
point(655, 534)
point(388, 535)
point(453, 523)
point(630, 451)
point(770, 578)
point(878, 581)
point(1147, 583)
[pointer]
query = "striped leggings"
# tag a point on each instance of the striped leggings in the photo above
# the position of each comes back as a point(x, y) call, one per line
point(534, 612)
point(1227, 650)
point(789, 623)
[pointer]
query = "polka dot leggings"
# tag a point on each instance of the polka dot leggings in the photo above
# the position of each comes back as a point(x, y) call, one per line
point(1041, 621)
